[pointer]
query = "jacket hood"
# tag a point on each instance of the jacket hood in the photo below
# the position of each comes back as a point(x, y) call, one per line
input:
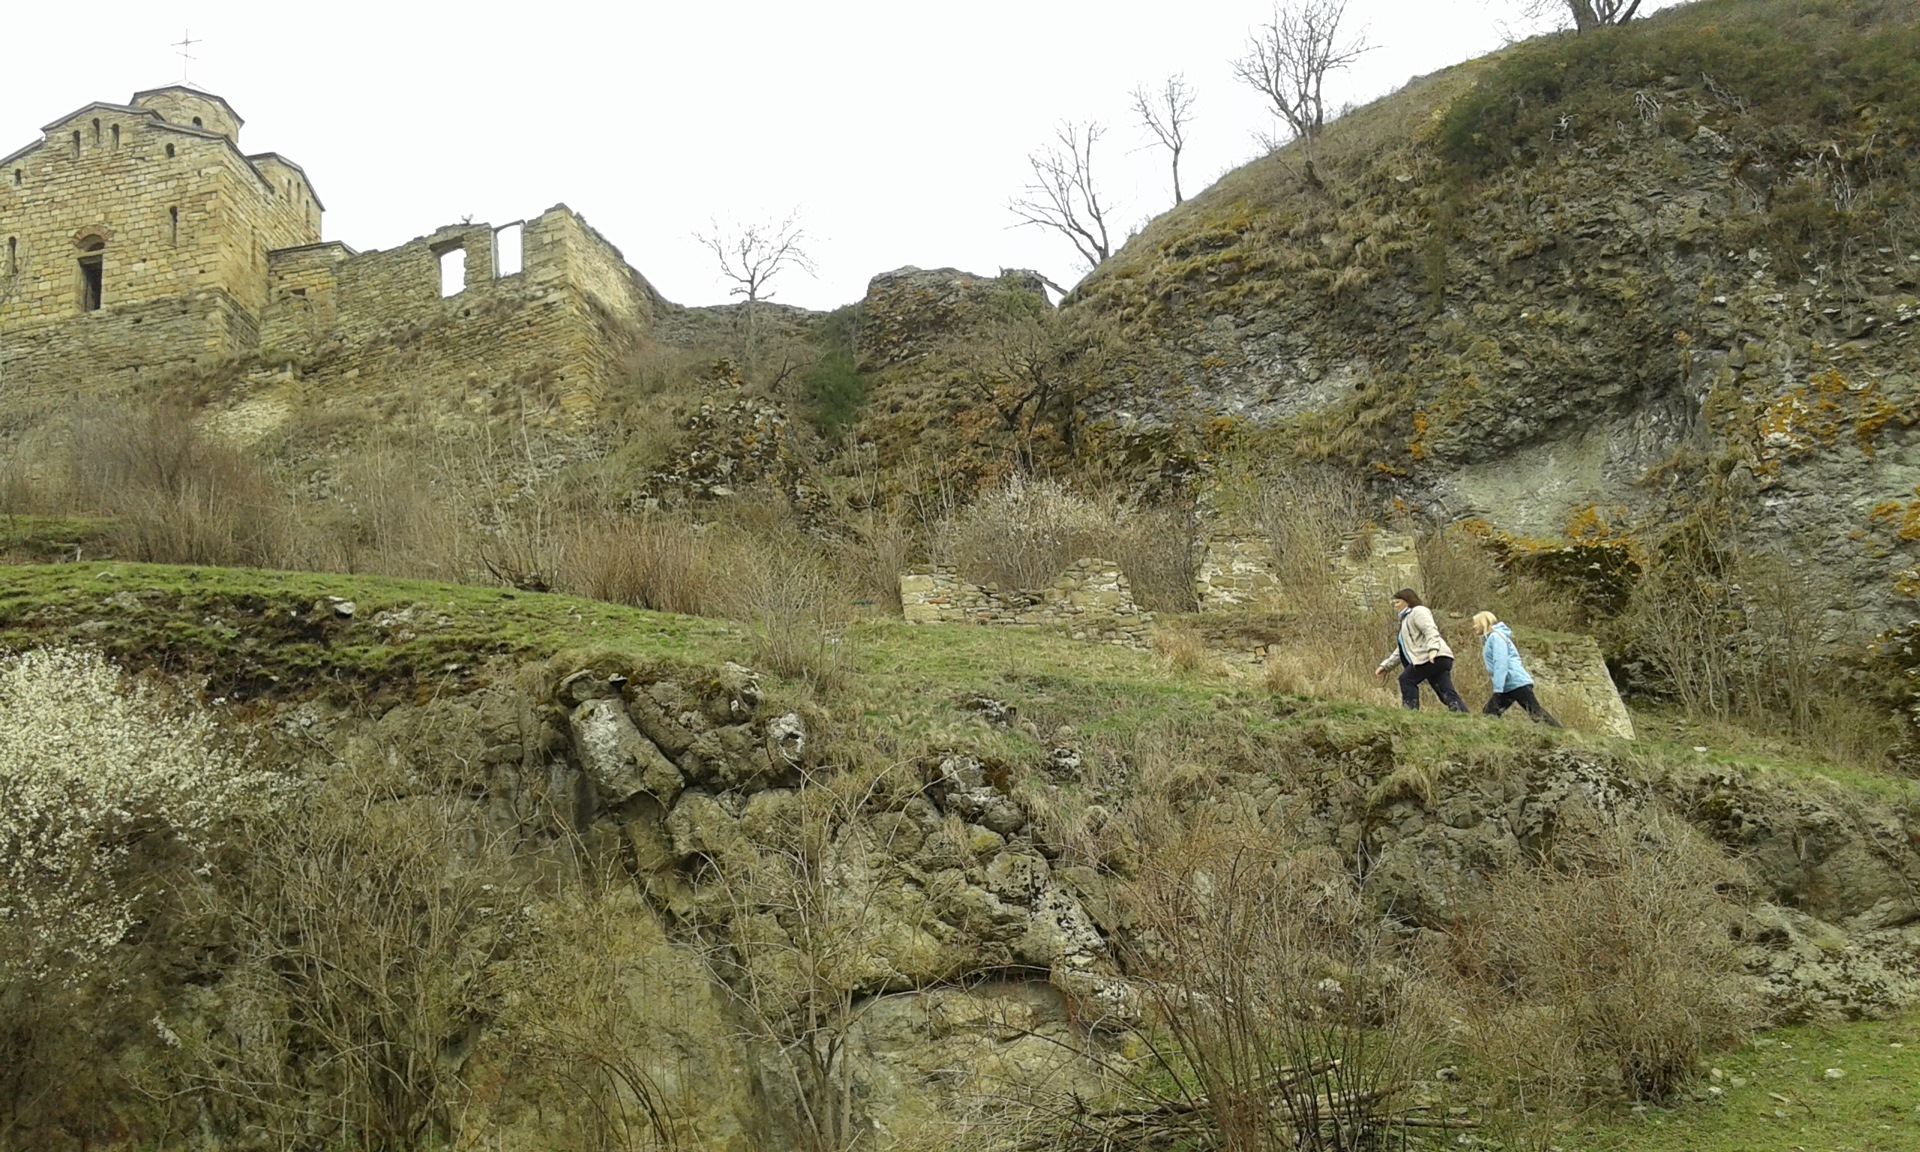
point(1503, 630)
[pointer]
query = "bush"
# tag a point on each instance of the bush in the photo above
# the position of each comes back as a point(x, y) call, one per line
point(176, 496)
point(1605, 961)
point(653, 561)
point(1027, 532)
point(92, 765)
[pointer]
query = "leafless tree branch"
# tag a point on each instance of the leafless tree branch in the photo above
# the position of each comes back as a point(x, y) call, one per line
point(1166, 112)
point(1063, 195)
point(1288, 59)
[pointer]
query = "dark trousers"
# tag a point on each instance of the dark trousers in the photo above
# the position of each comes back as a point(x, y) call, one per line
point(1437, 672)
point(1523, 696)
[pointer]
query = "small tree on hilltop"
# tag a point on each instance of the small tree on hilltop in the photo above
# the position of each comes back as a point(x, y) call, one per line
point(1063, 196)
point(1594, 13)
point(751, 255)
point(1032, 366)
point(1288, 59)
point(1166, 112)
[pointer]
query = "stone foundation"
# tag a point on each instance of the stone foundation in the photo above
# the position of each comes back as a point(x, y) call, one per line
point(1237, 571)
point(1092, 599)
point(1569, 672)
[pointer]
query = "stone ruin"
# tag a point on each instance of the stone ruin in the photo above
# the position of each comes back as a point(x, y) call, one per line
point(1093, 601)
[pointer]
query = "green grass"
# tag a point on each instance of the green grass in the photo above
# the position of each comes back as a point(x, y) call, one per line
point(1775, 1094)
point(251, 632)
point(49, 537)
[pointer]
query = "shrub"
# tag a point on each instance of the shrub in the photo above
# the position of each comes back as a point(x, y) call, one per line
point(1027, 532)
point(176, 495)
point(1604, 961)
point(653, 561)
point(91, 765)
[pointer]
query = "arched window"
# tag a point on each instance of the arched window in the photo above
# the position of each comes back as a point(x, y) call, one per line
point(96, 133)
point(169, 151)
point(116, 137)
point(76, 143)
point(173, 225)
point(196, 122)
point(13, 255)
point(18, 175)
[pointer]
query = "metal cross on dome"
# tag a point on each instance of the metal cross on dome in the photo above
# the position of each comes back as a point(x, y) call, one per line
point(185, 45)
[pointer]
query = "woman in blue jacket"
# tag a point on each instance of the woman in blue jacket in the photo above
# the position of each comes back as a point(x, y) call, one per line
point(1511, 684)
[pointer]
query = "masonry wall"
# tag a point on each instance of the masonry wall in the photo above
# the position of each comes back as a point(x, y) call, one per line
point(563, 322)
point(1093, 600)
point(180, 236)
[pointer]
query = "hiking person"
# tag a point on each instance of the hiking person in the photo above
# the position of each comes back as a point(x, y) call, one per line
point(1422, 654)
point(1511, 684)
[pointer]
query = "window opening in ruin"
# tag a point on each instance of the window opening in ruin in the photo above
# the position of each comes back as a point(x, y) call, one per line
point(76, 143)
point(18, 175)
point(13, 255)
point(453, 272)
point(506, 251)
point(173, 225)
point(92, 273)
point(196, 122)
point(116, 136)
point(96, 133)
point(169, 151)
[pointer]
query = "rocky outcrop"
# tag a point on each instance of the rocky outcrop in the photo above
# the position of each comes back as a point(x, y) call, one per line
point(909, 311)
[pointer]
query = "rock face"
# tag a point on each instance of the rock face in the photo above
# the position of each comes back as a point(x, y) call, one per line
point(909, 311)
point(1586, 316)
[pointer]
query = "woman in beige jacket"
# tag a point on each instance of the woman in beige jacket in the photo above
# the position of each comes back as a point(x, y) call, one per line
point(1422, 654)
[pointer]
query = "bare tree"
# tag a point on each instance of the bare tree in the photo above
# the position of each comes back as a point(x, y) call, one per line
point(1166, 112)
point(1063, 195)
point(1586, 13)
point(751, 255)
point(1288, 59)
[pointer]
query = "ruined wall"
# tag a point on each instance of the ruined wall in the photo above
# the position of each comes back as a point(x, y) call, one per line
point(565, 321)
point(1237, 571)
point(1571, 678)
point(1092, 599)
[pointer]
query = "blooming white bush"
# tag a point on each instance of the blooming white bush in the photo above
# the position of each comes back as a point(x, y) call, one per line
point(92, 762)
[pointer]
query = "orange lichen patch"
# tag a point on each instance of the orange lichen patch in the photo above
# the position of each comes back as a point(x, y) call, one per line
point(1589, 524)
point(1417, 447)
point(1601, 568)
point(1814, 415)
point(1903, 520)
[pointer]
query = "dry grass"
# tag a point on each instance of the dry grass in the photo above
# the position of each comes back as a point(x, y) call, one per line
point(1603, 962)
point(1026, 532)
point(659, 562)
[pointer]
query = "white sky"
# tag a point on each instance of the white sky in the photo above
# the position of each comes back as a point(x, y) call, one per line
point(898, 128)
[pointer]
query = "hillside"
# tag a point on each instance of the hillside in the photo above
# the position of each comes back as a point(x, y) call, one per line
point(415, 741)
point(1631, 275)
point(919, 899)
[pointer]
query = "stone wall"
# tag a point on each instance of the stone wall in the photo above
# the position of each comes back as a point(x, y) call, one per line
point(1237, 571)
point(1373, 568)
point(1569, 674)
point(566, 320)
point(1092, 599)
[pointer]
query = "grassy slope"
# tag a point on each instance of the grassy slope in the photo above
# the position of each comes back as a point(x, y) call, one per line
point(910, 687)
point(1775, 1094)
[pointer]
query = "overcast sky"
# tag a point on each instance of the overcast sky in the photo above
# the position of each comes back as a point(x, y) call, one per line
point(898, 129)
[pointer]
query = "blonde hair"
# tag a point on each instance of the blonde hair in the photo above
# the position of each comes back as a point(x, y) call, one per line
point(1483, 622)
